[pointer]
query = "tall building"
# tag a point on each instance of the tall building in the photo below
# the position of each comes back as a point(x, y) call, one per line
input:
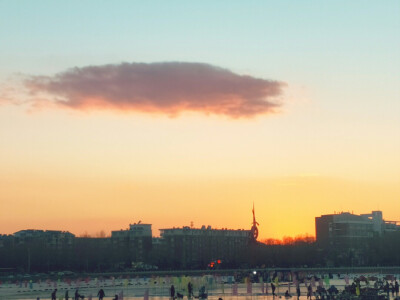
point(196, 247)
point(137, 241)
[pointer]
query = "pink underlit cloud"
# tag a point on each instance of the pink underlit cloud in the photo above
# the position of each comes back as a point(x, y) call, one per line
point(168, 88)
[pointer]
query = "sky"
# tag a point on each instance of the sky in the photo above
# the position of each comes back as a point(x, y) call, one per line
point(180, 112)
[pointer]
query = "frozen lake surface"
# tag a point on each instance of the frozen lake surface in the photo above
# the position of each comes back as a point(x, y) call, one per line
point(158, 288)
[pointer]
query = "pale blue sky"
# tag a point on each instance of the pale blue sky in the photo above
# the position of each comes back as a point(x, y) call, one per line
point(265, 37)
point(336, 45)
point(344, 55)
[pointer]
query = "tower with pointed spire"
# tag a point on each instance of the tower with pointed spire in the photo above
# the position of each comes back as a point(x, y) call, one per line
point(254, 228)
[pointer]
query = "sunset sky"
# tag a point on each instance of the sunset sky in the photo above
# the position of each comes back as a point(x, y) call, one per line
point(172, 112)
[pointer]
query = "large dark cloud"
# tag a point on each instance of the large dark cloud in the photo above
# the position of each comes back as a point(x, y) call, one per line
point(170, 88)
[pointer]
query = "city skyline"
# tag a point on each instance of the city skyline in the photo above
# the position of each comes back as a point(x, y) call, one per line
point(185, 112)
point(374, 219)
point(342, 239)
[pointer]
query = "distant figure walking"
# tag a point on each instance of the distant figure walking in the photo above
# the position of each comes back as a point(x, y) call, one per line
point(78, 296)
point(386, 289)
point(202, 293)
point(396, 287)
point(309, 291)
point(101, 294)
point(298, 291)
point(358, 289)
point(190, 290)
point(273, 289)
point(66, 295)
point(54, 295)
point(172, 292)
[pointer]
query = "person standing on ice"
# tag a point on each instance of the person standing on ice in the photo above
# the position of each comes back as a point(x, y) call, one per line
point(298, 290)
point(358, 289)
point(172, 292)
point(54, 295)
point(396, 288)
point(386, 289)
point(309, 291)
point(190, 290)
point(273, 289)
point(66, 295)
point(77, 296)
point(101, 294)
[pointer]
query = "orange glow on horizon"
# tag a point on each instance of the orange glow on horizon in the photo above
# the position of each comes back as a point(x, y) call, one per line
point(284, 206)
point(88, 173)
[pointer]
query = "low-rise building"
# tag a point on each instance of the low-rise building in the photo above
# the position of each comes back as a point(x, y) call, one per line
point(54, 239)
point(347, 237)
point(348, 229)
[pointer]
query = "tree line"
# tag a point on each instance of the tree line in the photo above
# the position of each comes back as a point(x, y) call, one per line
point(101, 255)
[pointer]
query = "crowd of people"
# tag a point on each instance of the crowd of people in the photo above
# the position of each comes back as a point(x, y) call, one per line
point(77, 296)
point(354, 290)
point(320, 292)
point(176, 295)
